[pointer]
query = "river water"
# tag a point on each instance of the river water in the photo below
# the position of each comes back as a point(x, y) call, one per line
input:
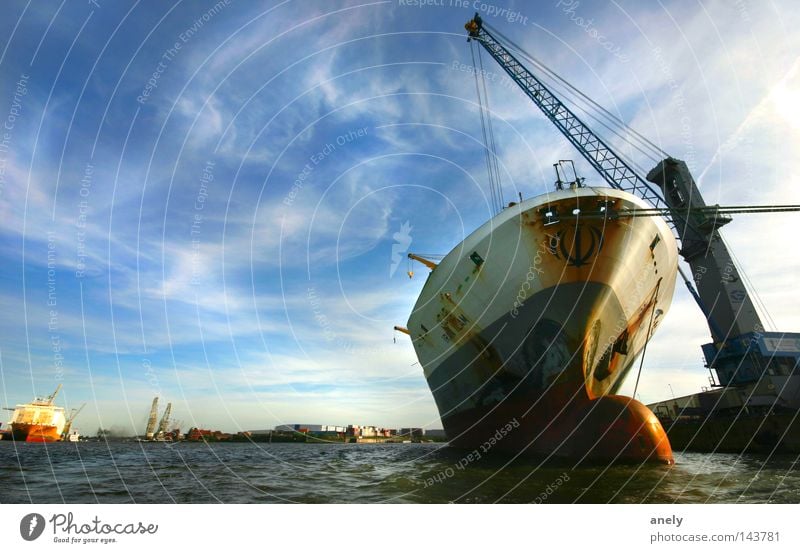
point(131, 472)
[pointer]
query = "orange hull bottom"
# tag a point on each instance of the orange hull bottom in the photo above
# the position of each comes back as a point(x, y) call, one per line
point(35, 433)
point(608, 429)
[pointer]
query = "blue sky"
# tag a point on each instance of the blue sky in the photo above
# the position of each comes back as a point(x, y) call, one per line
point(199, 199)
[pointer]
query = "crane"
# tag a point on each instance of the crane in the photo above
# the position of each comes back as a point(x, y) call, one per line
point(68, 424)
point(741, 351)
point(149, 432)
point(162, 426)
point(51, 399)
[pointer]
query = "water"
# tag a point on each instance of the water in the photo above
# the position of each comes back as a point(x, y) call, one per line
point(130, 472)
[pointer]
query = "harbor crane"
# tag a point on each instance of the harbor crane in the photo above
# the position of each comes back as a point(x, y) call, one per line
point(741, 353)
point(149, 433)
point(162, 426)
point(68, 424)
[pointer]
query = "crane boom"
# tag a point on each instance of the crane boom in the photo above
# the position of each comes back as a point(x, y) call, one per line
point(162, 426)
point(51, 399)
point(616, 172)
point(149, 432)
point(427, 262)
point(68, 425)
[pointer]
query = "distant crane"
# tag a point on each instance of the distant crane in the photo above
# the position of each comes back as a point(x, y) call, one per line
point(149, 433)
point(162, 426)
point(68, 424)
point(51, 399)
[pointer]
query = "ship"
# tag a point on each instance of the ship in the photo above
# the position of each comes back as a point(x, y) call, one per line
point(38, 421)
point(527, 329)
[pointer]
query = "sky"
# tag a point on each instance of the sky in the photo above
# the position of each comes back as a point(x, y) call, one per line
point(205, 201)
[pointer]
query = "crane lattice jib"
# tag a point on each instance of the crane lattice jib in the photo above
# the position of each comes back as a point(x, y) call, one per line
point(614, 170)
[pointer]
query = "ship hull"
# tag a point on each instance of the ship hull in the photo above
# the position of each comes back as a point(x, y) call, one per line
point(614, 429)
point(35, 433)
point(528, 328)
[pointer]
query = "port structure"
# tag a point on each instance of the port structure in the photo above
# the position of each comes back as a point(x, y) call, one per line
point(741, 351)
point(70, 419)
point(51, 399)
point(759, 368)
point(162, 426)
point(157, 430)
point(150, 431)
